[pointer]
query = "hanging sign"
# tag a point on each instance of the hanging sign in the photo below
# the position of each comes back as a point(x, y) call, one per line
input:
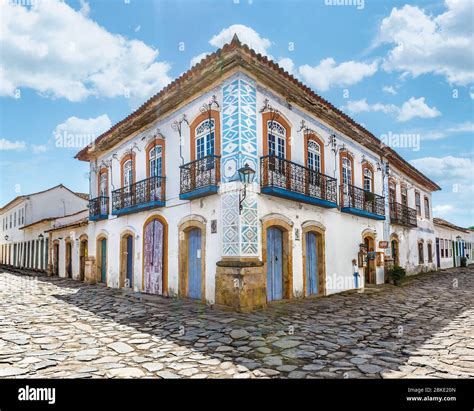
point(383, 244)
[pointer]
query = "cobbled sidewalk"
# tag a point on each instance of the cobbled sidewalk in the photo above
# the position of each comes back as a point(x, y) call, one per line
point(61, 328)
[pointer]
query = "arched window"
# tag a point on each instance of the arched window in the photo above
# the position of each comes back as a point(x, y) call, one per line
point(421, 257)
point(368, 178)
point(314, 155)
point(404, 195)
point(427, 207)
point(156, 161)
point(346, 169)
point(276, 139)
point(127, 171)
point(103, 183)
point(205, 139)
point(418, 203)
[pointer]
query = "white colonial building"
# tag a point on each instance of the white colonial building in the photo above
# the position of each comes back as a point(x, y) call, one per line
point(452, 244)
point(328, 207)
point(24, 241)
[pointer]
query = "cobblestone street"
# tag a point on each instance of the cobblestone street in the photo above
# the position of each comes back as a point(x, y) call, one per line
point(57, 328)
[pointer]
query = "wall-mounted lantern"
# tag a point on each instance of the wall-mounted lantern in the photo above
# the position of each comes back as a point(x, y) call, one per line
point(246, 176)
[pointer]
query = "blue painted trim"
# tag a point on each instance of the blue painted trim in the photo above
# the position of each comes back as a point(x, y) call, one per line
point(139, 207)
point(291, 195)
point(362, 213)
point(99, 217)
point(200, 192)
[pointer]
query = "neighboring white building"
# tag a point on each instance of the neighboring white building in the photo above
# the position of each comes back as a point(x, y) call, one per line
point(24, 221)
point(452, 243)
point(168, 215)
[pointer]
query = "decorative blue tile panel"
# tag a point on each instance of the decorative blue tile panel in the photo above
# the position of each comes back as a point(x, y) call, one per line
point(239, 146)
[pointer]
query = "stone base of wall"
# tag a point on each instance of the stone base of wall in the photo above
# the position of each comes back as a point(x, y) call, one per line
point(241, 285)
point(90, 275)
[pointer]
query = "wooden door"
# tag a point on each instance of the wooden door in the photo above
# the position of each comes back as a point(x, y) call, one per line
point(154, 257)
point(311, 264)
point(194, 264)
point(274, 264)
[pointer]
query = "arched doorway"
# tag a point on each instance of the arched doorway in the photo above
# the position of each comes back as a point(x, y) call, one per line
point(126, 260)
point(155, 233)
point(68, 267)
point(314, 265)
point(55, 258)
point(102, 260)
point(83, 252)
point(192, 258)
point(276, 252)
point(370, 271)
point(394, 244)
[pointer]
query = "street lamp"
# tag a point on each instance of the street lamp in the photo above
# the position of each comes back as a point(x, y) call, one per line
point(246, 176)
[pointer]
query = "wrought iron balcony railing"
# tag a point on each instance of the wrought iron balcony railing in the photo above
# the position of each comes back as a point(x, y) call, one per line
point(200, 177)
point(140, 195)
point(287, 179)
point(361, 202)
point(402, 214)
point(99, 208)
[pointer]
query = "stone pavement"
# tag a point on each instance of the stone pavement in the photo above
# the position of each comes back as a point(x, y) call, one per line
point(60, 328)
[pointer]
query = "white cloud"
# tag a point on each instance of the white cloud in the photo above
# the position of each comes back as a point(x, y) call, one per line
point(246, 35)
point(85, 8)
point(431, 44)
point(287, 64)
point(41, 148)
point(410, 109)
point(359, 106)
point(328, 74)
point(390, 90)
point(443, 209)
point(417, 108)
point(11, 145)
point(455, 169)
point(61, 53)
point(196, 59)
point(77, 132)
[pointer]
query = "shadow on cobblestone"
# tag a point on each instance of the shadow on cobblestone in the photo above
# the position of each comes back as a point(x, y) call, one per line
point(424, 328)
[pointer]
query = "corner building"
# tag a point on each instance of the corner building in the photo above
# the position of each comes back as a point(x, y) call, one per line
point(168, 215)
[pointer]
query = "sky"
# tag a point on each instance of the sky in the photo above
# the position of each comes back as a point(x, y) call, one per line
point(404, 70)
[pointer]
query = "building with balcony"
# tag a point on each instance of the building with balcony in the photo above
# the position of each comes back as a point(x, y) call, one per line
point(168, 215)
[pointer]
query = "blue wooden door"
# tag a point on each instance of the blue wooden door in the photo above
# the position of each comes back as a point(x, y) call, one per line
point(194, 263)
point(274, 264)
point(103, 261)
point(130, 261)
point(311, 265)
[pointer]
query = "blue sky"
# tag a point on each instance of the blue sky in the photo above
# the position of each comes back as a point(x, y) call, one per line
point(77, 67)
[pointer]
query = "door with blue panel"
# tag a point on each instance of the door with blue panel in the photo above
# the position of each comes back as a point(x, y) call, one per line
point(103, 260)
point(274, 264)
point(311, 264)
point(129, 273)
point(194, 264)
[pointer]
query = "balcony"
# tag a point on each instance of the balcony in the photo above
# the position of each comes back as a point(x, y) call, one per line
point(356, 201)
point(99, 208)
point(142, 195)
point(283, 178)
point(200, 178)
point(402, 215)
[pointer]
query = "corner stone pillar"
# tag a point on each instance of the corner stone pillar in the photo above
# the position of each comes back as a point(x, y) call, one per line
point(240, 276)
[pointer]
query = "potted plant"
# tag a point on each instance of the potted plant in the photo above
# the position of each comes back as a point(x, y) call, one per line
point(396, 274)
